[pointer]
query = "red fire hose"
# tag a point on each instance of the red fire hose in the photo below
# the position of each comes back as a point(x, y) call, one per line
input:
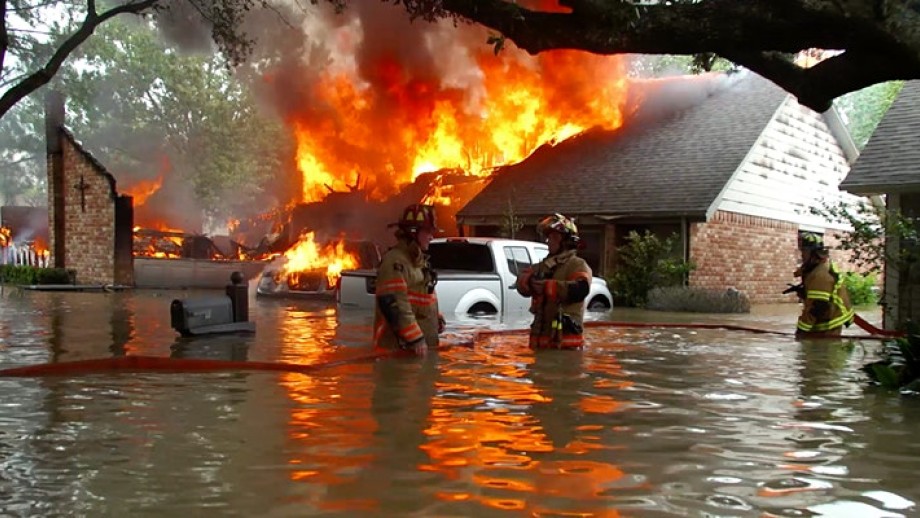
point(869, 328)
point(165, 364)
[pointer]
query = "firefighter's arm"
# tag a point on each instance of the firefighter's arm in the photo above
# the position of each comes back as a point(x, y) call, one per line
point(574, 288)
point(393, 301)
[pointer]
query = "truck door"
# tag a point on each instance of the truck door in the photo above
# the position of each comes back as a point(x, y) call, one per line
point(517, 258)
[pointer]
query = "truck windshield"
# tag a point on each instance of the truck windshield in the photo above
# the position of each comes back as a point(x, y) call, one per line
point(468, 257)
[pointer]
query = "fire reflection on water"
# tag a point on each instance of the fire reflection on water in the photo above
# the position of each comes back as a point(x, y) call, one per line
point(643, 421)
point(500, 433)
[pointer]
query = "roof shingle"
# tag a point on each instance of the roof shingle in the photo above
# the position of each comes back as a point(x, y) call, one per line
point(890, 161)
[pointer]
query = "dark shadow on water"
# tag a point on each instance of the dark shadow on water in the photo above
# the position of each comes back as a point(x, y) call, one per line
point(560, 376)
point(230, 347)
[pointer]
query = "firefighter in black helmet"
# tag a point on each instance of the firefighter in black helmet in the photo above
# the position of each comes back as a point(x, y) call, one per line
point(558, 287)
point(407, 315)
point(826, 303)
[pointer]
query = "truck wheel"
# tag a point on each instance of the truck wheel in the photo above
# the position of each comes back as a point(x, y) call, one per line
point(482, 308)
point(598, 303)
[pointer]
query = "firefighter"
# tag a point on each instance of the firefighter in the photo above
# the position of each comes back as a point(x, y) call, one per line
point(826, 303)
point(558, 286)
point(406, 316)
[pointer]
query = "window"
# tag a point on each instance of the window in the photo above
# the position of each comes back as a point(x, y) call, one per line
point(461, 256)
point(518, 258)
point(540, 251)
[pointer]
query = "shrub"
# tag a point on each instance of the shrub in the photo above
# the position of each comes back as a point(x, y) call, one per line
point(698, 300)
point(10, 274)
point(646, 262)
point(899, 367)
point(862, 288)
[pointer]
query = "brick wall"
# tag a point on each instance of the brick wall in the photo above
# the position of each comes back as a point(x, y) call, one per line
point(88, 216)
point(752, 254)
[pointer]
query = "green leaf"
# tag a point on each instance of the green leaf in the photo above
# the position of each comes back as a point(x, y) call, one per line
point(885, 375)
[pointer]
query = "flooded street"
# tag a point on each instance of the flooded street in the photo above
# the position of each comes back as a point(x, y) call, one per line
point(643, 422)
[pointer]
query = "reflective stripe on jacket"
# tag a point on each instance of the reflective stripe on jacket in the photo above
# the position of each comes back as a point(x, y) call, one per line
point(561, 272)
point(408, 281)
point(827, 304)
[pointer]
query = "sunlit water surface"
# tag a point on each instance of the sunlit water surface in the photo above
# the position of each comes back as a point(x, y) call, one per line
point(643, 422)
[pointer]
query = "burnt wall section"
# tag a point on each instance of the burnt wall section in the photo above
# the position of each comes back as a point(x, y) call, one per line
point(90, 224)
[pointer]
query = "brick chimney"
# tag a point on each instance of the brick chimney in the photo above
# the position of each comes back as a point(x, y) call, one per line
point(54, 127)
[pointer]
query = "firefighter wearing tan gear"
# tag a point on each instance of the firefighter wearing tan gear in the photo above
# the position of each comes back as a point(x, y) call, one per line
point(826, 303)
point(558, 287)
point(406, 314)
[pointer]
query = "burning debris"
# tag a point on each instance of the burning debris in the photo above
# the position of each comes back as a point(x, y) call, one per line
point(312, 269)
point(24, 237)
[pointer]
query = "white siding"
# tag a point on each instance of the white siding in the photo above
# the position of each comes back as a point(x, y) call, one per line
point(795, 164)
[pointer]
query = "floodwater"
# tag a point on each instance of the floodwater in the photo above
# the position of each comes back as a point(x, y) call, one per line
point(643, 422)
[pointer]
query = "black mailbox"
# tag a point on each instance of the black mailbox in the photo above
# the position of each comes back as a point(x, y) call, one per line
point(189, 314)
point(216, 314)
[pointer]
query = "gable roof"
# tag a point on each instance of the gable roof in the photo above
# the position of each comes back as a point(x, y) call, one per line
point(890, 161)
point(663, 161)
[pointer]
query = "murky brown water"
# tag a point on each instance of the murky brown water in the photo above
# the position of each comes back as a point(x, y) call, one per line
point(643, 422)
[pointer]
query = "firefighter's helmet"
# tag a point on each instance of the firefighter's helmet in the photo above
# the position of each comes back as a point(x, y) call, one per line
point(417, 217)
point(558, 223)
point(811, 242)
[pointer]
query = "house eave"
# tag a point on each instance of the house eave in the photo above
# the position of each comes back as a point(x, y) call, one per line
point(872, 189)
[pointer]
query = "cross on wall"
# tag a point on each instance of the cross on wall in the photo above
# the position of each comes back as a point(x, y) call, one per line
point(82, 186)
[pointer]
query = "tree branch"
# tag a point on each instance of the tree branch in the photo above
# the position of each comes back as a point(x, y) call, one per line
point(4, 35)
point(818, 86)
point(623, 27)
point(877, 46)
point(44, 75)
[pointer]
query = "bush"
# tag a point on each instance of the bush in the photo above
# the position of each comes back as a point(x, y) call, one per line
point(10, 274)
point(899, 367)
point(698, 300)
point(646, 262)
point(862, 288)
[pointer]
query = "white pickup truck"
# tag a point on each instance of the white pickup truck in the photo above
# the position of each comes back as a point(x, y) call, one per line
point(476, 276)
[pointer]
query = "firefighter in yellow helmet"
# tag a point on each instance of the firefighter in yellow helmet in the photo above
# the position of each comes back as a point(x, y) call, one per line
point(558, 287)
point(826, 302)
point(407, 316)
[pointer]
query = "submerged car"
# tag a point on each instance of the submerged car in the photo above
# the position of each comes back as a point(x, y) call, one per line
point(285, 277)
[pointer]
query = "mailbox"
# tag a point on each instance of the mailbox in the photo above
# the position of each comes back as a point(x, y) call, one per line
point(191, 314)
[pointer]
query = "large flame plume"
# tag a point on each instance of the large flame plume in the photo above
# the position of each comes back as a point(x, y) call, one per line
point(396, 99)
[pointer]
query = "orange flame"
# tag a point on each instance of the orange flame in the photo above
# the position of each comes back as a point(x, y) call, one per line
point(41, 246)
point(307, 255)
point(143, 190)
point(386, 136)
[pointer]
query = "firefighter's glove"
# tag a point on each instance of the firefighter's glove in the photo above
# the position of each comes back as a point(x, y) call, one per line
point(537, 287)
point(442, 324)
point(523, 279)
point(798, 289)
point(419, 346)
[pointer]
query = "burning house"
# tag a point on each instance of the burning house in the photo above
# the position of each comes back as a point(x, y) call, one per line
point(731, 164)
point(384, 112)
point(395, 112)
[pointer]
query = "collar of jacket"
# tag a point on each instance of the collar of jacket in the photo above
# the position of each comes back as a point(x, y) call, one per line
point(559, 259)
point(413, 252)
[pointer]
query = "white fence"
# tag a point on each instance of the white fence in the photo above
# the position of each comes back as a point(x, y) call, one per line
point(24, 255)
